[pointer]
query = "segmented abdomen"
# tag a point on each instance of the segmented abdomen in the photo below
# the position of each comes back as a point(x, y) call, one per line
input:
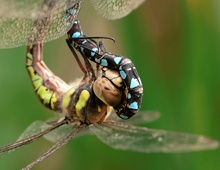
point(90, 49)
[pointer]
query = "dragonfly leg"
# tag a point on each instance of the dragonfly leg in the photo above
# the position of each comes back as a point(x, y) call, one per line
point(87, 69)
point(46, 85)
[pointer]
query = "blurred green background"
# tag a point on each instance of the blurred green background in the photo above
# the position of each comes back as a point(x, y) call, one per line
point(175, 47)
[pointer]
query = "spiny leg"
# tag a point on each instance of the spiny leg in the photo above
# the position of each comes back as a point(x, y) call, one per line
point(88, 69)
point(76, 57)
point(47, 86)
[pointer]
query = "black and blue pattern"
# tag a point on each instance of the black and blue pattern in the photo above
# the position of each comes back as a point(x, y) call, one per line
point(91, 49)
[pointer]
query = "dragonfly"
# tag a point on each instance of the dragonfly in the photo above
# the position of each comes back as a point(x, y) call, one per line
point(47, 20)
point(82, 110)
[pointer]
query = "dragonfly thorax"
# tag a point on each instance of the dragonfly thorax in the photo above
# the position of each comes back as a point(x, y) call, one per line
point(81, 104)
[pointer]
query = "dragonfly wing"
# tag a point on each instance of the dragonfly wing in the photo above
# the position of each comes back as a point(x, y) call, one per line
point(30, 8)
point(128, 137)
point(52, 136)
point(34, 128)
point(143, 117)
point(63, 141)
point(62, 131)
point(115, 9)
point(140, 118)
point(33, 132)
point(58, 133)
point(18, 24)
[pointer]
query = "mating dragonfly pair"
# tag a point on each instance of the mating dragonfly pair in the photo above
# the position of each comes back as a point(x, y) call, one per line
point(112, 88)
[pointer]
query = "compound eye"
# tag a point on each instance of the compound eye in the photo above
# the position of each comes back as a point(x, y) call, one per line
point(107, 92)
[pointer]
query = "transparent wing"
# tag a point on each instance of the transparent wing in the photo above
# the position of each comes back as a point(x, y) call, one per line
point(139, 118)
point(18, 20)
point(144, 117)
point(63, 141)
point(33, 132)
point(58, 133)
point(27, 8)
point(53, 136)
point(63, 131)
point(115, 9)
point(128, 137)
point(33, 129)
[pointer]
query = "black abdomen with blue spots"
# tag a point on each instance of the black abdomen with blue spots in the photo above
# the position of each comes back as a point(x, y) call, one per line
point(92, 50)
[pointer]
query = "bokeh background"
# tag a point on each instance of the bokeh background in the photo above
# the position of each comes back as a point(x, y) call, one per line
point(175, 47)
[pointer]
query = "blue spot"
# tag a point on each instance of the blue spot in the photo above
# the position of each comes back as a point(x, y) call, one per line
point(76, 35)
point(104, 62)
point(97, 60)
point(72, 11)
point(117, 59)
point(134, 83)
point(82, 49)
point(94, 51)
point(123, 116)
point(123, 74)
point(84, 41)
point(133, 105)
point(129, 95)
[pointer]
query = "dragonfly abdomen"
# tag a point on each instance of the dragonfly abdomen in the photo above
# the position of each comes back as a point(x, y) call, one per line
point(130, 77)
point(73, 101)
point(95, 51)
point(36, 70)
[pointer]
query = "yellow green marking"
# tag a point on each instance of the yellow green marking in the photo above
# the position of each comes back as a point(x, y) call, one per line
point(29, 59)
point(35, 78)
point(53, 101)
point(81, 103)
point(43, 92)
point(67, 98)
